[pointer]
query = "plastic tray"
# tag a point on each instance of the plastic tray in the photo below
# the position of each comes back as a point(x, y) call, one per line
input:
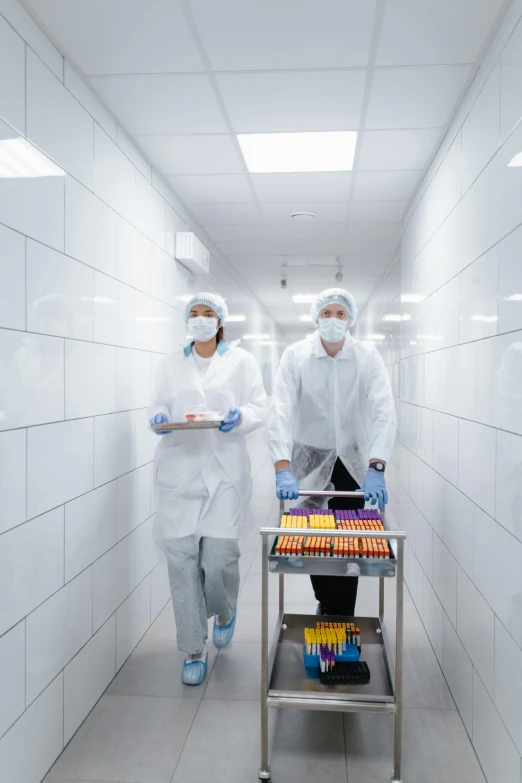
point(350, 673)
point(187, 425)
point(350, 654)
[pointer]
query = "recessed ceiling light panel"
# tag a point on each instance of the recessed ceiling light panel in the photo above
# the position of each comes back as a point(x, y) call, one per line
point(272, 153)
point(303, 217)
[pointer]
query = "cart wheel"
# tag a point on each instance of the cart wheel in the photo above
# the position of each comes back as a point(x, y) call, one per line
point(265, 774)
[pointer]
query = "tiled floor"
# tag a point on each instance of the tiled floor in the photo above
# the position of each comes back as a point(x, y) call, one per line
point(149, 728)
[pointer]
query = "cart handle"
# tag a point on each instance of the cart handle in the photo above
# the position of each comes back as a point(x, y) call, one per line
point(324, 493)
point(310, 532)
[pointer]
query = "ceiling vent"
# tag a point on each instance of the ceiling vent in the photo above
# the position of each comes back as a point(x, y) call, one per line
point(191, 252)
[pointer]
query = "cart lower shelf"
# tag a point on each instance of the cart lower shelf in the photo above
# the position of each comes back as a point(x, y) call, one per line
point(291, 685)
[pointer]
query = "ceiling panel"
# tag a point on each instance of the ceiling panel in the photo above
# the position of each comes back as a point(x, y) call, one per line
point(192, 154)
point(252, 35)
point(151, 103)
point(295, 101)
point(226, 214)
point(424, 32)
point(246, 233)
point(326, 212)
point(422, 97)
point(122, 36)
point(219, 188)
point(385, 185)
point(393, 150)
point(293, 187)
point(377, 211)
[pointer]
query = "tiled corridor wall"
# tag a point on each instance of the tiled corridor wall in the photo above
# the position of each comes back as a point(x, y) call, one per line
point(455, 359)
point(90, 300)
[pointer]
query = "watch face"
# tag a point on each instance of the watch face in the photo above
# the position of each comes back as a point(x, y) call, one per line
point(378, 465)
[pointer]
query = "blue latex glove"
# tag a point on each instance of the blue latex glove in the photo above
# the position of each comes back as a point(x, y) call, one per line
point(374, 488)
point(287, 487)
point(159, 418)
point(232, 420)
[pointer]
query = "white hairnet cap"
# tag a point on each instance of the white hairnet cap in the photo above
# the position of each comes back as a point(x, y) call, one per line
point(334, 296)
point(214, 301)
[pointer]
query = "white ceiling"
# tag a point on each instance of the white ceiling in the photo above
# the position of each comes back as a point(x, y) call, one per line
point(185, 76)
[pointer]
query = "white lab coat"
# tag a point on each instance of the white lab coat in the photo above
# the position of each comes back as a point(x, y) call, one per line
point(202, 477)
point(324, 408)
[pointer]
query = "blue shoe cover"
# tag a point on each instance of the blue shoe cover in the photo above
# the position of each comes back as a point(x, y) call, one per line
point(194, 672)
point(222, 634)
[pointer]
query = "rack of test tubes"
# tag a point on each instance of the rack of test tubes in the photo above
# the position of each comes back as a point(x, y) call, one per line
point(323, 545)
point(329, 643)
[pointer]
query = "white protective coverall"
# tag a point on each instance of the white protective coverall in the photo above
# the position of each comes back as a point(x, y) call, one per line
point(202, 477)
point(324, 408)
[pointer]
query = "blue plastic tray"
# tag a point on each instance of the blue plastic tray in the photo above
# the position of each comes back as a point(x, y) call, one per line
point(312, 661)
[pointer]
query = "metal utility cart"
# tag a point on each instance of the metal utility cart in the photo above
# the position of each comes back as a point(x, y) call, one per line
point(284, 682)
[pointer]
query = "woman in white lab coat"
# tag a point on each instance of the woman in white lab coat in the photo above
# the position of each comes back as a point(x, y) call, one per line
point(202, 477)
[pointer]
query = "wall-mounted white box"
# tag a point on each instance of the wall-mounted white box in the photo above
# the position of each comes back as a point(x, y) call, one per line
point(191, 252)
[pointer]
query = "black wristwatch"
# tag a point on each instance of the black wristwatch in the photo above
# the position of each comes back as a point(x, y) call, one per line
point(380, 467)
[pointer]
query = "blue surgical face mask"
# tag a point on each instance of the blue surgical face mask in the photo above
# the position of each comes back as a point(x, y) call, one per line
point(332, 330)
point(202, 328)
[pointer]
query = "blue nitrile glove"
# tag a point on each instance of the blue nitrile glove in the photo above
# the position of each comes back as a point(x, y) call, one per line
point(159, 418)
point(232, 420)
point(287, 487)
point(374, 488)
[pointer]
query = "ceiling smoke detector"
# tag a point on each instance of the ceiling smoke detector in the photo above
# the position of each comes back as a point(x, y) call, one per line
point(303, 217)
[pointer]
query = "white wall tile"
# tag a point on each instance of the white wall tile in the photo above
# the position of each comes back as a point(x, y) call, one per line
point(415, 578)
point(56, 631)
point(12, 676)
point(459, 524)
point(460, 381)
point(90, 379)
point(446, 446)
point(507, 382)
point(486, 372)
point(82, 91)
point(135, 256)
point(31, 566)
point(424, 545)
point(458, 671)
point(133, 620)
point(90, 528)
point(511, 68)
point(12, 279)
point(509, 482)
point(476, 628)
point(114, 446)
point(445, 578)
point(97, 248)
point(133, 492)
point(508, 682)
point(87, 676)
point(153, 506)
point(134, 379)
point(435, 368)
point(510, 282)
point(495, 749)
point(431, 612)
point(59, 293)
point(113, 580)
point(477, 449)
point(497, 573)
point(433, 506)
point(131, 151)
point(33, 205)
point(425, 435)
point(12, 90)
point(146, 440)
point(68, 141)
point(159, 590)
point(59, 464)
point(31, 379)
point(478, 298)
point(40, 729)
point(27, 28)
point(481, 129)
point(145, 554)
point(13, 459)
point(114, 312)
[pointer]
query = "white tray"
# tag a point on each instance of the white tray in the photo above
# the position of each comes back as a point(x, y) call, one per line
point(186, 425)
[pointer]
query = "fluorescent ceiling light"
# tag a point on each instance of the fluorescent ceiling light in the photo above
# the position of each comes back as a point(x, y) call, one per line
point(487, 319)
point(304, 298)
point(270, 153)
point(262, 336)
point(19, 159)
point(406, 317)
point(516, 161)
point(513, 298)
point(375, 337)
point(306, 319)
point(412, 298)
point(392, 317)
point(236, 319)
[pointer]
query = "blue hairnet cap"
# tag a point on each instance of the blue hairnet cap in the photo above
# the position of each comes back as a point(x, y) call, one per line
point(334, 296)
point(214, 301)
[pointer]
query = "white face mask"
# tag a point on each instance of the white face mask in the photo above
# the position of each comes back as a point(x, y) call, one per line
point(332, 330)
point(202, 328)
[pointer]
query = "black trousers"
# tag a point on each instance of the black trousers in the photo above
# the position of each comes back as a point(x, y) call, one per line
point(337, 594)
